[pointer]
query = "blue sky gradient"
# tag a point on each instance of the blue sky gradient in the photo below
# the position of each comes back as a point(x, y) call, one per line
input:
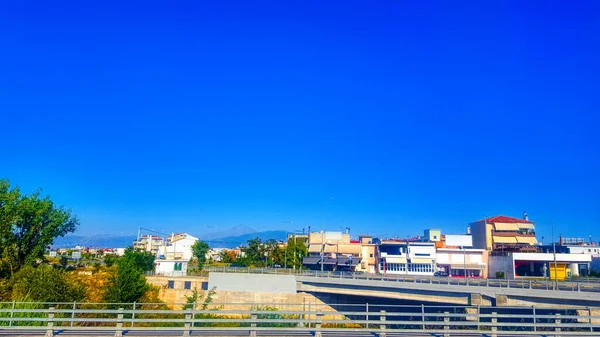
point(386, 117)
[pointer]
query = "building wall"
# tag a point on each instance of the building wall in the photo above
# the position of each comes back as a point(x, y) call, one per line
point(167, 267)
point(501, 264)
point(433, 235)
point(592, 250)
point(478, 232)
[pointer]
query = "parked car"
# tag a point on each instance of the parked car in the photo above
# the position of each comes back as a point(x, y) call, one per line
point(440, 274)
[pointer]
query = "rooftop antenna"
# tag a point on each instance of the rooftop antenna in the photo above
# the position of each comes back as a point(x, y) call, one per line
point(525, 217)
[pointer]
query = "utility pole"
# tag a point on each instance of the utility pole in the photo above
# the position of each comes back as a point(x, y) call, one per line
point(555, 283)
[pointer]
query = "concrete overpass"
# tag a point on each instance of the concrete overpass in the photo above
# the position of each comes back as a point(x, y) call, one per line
point(460, 294)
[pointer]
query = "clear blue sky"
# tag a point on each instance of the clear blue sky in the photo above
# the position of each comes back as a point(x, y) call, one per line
point(387, 117)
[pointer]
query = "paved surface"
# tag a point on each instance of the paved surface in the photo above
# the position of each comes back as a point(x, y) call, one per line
point(281, 333)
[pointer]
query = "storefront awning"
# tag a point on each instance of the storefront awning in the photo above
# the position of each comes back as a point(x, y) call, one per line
point(527, 239)
point(468, 266)
point(311, 260)
point(395, 259)
point(421, 260)
point(505, 239)
point(506, 226)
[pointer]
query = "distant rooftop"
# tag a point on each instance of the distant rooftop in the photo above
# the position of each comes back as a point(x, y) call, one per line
point(504, 218)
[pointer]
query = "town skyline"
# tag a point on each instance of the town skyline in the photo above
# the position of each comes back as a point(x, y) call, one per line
point(387, 118)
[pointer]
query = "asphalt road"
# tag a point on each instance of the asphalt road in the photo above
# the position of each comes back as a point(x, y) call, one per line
point(273, 333)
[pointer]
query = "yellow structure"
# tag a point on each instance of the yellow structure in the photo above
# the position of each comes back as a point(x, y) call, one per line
point(559, 273)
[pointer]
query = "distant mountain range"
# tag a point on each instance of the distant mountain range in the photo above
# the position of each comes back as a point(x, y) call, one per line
point(230, 238)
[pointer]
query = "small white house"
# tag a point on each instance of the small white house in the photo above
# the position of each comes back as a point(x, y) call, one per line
point(171, 267)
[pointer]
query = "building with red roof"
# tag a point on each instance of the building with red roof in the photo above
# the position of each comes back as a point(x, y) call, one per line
point(504, 233)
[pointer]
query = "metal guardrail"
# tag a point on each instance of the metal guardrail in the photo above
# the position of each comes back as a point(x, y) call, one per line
point(381, 320)
point(476, 282)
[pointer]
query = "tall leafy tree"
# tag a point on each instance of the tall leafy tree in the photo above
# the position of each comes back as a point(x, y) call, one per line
point(199, 250)
point(28, 226)
point(128, 283)
point(255, 252)
point(296, 250)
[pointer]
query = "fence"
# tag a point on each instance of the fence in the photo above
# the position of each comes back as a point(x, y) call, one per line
point(475, 282)
point(117, 319)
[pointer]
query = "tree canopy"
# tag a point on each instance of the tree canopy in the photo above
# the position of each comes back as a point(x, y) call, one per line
point(143, 259)
point(199, 250)
point(128, 283)
point(45, 284)
point(28, 226)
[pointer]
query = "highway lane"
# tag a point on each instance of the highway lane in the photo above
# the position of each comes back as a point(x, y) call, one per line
point(271, 333)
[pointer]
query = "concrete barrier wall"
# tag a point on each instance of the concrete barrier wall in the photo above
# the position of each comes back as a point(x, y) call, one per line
point(261, 283)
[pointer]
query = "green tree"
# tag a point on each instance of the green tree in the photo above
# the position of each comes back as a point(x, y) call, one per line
point(28, 226)
point(199, 250)
point(45, 284)
point(296, 250)
point(144, 259)
point(272, 251)
point(127, 284)
point(254, 254)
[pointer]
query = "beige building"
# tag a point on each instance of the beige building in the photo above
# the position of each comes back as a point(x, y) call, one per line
point(149, 243)
point(504, 233)
point(335, 251)
point(432, 235)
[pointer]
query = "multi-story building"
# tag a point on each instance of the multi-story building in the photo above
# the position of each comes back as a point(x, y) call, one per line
point(402, 257)
point(178, 247)
point(149, 243)
point(463, 262)
point(504, 233)
point(334, 251)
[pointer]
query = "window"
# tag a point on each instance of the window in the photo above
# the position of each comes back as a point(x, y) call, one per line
point(422, 254)
point(187, 285)
point(370, 255)
point(435, 237)
point(171, 284)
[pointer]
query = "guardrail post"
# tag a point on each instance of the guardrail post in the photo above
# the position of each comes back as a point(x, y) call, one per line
point(367, 315)
point(530, 284)
point(133, 315)
point(119, 331)
point(557, 322)
point(423, 315)
point(487, 282)
point(253, 326)
point(382, 326)
point(318, 324)
point(446, 323)
point(73, 313)
point(578, 287)
point(494, 322)
point(187, 324)
point(12, 313)
point(507, 284)
point(534, 320)
point(50, 326)
point(590, 314)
